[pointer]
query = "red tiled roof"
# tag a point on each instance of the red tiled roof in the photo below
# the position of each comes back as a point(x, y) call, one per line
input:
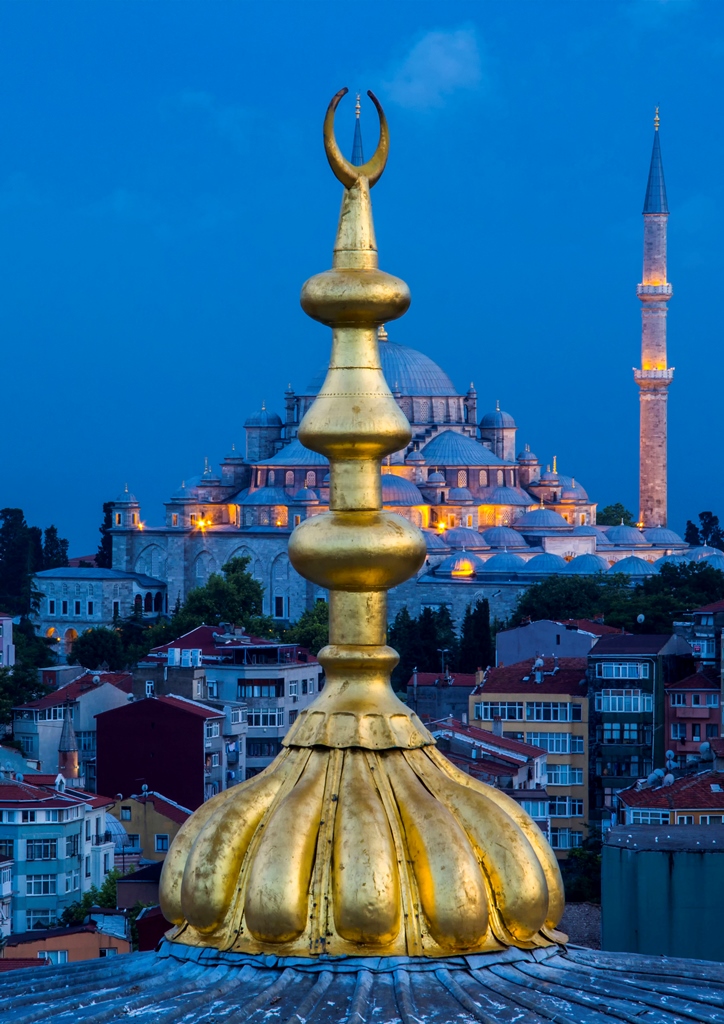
point(570, 679)
point(191, 706)
point(488, 737)
point(22, 938)
point(175, 812)
point(717, 745)
point(697, 681)
point(716, 606)
point(631, 643)
point(692, 792)
point(21, 794)
point(589, 626)
point(212, 643)
point(435, 678)
point(16, 963)
point(79, 687)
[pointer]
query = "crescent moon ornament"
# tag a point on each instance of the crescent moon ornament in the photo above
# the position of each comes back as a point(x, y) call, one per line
point(345, 171)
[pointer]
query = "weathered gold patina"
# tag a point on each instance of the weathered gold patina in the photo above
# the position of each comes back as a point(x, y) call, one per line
point(360, 838)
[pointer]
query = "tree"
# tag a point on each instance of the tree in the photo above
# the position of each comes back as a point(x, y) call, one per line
point(105, 897)
point(15, 562)
point(691, 534)
point(581, 871)
point(403, 637)
point(97, 647)
point(232, 597)
point(104, 556)
point(710, 532)
point(476, 643)
point(55, 549)
point(311, 630)
point(613, 515)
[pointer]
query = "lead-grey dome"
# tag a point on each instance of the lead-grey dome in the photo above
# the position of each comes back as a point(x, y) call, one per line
point(541, 519)
point(459, 494)
point(503, 537)
point(263, 418)
point(398, 491)
point(586, 565)
point(633, 566)
point(406, 370)
point(504, 562)
point(498, 420)
point(460, 564)
point(625, 536)
point(464, 537)
point(547, 562)
point(661, 535)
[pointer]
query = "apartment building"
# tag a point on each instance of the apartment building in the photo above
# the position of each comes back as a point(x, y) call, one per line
point(151, 822)
point(544, 704)
point(689, 800)
point(628, 675)
point(38, 725)
point(702, 629)
point(567, 638)
point(57, 845)
point(266, 683)
point(692, 713)
point(7, 647)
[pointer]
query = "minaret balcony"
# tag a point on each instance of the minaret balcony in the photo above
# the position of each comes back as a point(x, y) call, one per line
point(654, 291)
point(663, 375)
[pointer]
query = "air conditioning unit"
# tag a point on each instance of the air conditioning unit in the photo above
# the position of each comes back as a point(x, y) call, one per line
point(195, 656)
point(174, 656)
point(186, 659)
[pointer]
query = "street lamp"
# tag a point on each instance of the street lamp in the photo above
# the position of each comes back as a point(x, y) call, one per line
point(442, 651)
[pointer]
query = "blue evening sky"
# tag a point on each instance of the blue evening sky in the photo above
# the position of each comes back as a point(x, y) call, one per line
point(164, 194)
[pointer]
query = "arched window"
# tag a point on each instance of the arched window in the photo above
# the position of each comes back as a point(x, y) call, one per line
point(148, 603)
point(281, 515)
point(90, 590)
point(289, 478)
point(511, 478)
point(77, 590)
point(501, 478)
point(138, 603)
point(462, 478)
point(311, 480)
point(270, 480)
point(248, 518)
point(158, 602)
point(483, 478)
point(258, 478)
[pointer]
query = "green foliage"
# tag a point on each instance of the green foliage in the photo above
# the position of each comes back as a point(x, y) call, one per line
point(21, 683)
point(581, 870)
point(660, 598)
point(708, 532)
point(21, 555)
point(612, 515)
point(234, 597)
point(55, 549)
point(97, 647)
point(104, 555)
point(691, 534)
point(419, 643)
point(105, 897)
point(402, 637)
point(476, 641)
point(311, 630)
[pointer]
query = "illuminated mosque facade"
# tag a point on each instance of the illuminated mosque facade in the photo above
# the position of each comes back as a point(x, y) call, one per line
point(495, 518)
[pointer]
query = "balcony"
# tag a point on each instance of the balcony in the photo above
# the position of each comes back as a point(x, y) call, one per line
point(101, 838)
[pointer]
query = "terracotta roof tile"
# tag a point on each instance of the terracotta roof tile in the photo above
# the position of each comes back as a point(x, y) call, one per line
point(631, 643)
point(697, 681)
point(570, 678)
point(692, 792)
point(487, 736)
point(80, 686)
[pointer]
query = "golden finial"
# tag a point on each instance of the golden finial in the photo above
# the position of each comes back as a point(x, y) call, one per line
point(381, 333)
point(360, 839)
point(555, 463)
point(657, 120)
point(206, 464)
point(263, 405)
point(497, 405)
point(346, 172)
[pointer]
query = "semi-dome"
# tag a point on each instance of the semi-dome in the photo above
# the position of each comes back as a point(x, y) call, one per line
point(508, 496)
point(547, 562)
point(586, 565)
point(396, 490)
point(263, 418)
point(459, 494)
point(503, 537)
point(406, 370)
point(464, 537)
point(460, 564)
point(632, 565)
point(505, 562)
point(435, 542)
point(498, 420)
point(294, 454)
point(266, 496)
point(661, 536)
point(306, 494)
point(542, 519)
point(625, 536)
point(574, 492)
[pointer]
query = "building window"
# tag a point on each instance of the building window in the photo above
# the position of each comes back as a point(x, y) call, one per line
point(556, 742)
point(87, 867)
point(536, 808)
point(712, 700)
point(622, 670)
point(611, 732)
point(125, 813)
point(684, 819)
point(64, 607)
point(712, 732)
point(134, 841)
point(297, 520)
point(90, 608)
point(41, 849)
point(566, 839)
point(304, 687)
point(696, 700)
point(262, 717)
point(56, 956)
point(293, 689)
point(293, 716)
point(212, 688)
point(72, 845)
point(28, 817)
point(116, 609)
point(87, 830)
point(509, 711)
point(462, 478)
point(564, 775)
point(678, 731)
point(212, 730)
point(41, 885)
point(278, 607)
point(710, 819)
point(259, 689)
point(552, 711)
point(174, 519)
point(649, 818)
point(51, 606)
point(678, 700)
point(623, 700)
point(215, 761)
point(311, 479)
point(107, 951)
point(238, 715)
point(565, 807)
point(262, 748)
point(39, 918)
point(161, 843)
point(106, 863)
point(696, 733)
point(7, 848)
point(118, 518)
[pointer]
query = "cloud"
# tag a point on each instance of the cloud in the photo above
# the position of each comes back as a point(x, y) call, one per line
point(439, 64)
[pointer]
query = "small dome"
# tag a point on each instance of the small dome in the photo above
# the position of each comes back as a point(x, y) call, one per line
point(585, 531)
point(436, 478)
point(698, 554)
point(716, 561)
point(541, 519)
point(459, 494)
point(569, 483)
point(464, 537)
point(503, 537)
point(633, 566)
point(602, 540)
point(547, 562)
point(325, 482)
point(435, 542)
point(660, 535)
point(306, 494)
point(234, 455)
point(263, 418)
point(586, 565)
point(497, 420)
point(415, 456)
point(508, 496)
point(625, 536)
point(549, 478)
point(460, 564)
point(682, 558)
point(398, 491)
point(527, 456)
point(505, 562)
point(126, 498)
point(184, 493)
point(208, 477)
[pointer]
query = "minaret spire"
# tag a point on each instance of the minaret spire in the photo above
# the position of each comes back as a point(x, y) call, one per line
point(655, 376)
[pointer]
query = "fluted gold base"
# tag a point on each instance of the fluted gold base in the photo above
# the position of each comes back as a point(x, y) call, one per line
point(362, 852)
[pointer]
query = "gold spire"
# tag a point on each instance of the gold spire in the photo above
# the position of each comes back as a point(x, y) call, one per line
point(360, 839)
point(555, 463)
point(657, 120)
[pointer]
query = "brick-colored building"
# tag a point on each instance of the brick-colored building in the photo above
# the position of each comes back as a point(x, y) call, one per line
point(151, 822)
point(692, 714)
point(65, 945)
point(690, 800)
point(545, 704)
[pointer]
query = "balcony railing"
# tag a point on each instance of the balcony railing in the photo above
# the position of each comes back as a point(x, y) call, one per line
point(100, 838)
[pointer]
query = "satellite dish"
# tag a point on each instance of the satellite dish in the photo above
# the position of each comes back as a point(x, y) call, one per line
point(640, 619)
point(653, 777)
point(144, 788)
point(659, 772)
point(19, 777)
point(670, 755)
point(96, 678)
point(668, 779)
point(670, 764)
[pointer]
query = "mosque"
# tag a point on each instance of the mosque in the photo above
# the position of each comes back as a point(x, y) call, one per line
point(494, 517)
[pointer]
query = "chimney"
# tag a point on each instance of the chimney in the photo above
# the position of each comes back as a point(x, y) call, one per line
point(497, 726)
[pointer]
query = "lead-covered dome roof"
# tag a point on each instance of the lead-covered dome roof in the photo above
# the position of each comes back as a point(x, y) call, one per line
point(263, 418)
point(661, 535)
point(396, 490)
point(497, 420)
point(460, 564)
point(505, 562)
point(464, 537)
point(586, 565)
point(542, 519)
point(503, 537)
point(633, 566)
point(547, 562)
point(406, 370)
point(625, 536)
point(449, 448)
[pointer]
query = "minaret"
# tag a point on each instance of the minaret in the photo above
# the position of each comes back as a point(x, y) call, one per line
point(68, 750)
point(654, 377)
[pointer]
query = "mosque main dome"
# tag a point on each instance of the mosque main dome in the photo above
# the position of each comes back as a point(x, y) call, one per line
point(406, 370)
